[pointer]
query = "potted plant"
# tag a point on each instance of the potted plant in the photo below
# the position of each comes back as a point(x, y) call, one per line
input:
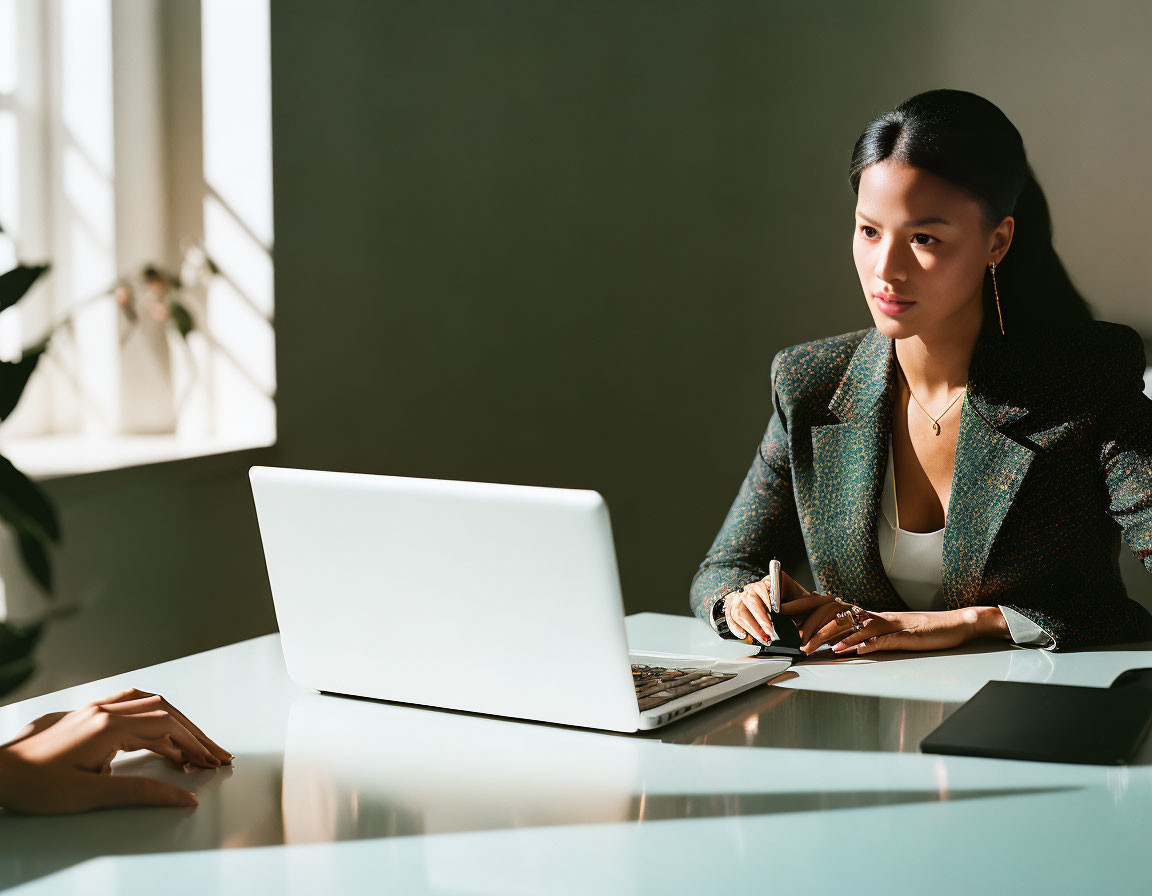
point(23, 506)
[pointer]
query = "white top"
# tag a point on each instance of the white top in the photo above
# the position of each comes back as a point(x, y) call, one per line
point(916, 571)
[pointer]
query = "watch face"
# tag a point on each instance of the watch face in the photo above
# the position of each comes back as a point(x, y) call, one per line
point(720, 619)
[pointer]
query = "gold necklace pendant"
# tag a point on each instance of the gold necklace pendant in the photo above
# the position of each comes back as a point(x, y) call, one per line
point(935, 420)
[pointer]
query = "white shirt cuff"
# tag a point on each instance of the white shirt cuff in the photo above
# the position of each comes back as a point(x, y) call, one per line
point(1025, 632)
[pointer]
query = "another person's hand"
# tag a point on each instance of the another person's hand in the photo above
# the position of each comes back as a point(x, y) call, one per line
point(61, 762)
point(746, 610)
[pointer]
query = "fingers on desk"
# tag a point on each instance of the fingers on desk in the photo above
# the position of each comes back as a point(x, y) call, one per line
point(106, 790)
point(822, 620)
point(133, 701)
point(156, 730)
point(877, 634)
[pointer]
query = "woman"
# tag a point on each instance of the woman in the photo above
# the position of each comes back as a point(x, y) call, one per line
point(966, 467)
point(61, 762)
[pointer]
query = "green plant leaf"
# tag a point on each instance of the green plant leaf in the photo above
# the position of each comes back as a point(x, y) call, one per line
point(15, 673)
point(35, 554)
point(182, 318)
point(16, 646)
point(18, 640)
point(14, 377)
point(18, 281)
point(24, 506)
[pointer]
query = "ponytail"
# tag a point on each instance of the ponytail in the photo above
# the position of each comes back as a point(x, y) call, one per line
point(1035, 289)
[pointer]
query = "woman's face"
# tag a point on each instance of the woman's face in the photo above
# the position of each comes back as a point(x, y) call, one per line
point(922, 241)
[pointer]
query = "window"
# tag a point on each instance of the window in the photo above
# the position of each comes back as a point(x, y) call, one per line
point(135, 157)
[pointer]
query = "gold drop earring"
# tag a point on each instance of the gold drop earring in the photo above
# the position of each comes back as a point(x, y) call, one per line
point(992, 267)
point(896, 532)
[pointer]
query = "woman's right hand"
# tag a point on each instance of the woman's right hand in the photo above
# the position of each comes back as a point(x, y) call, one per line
point(746, 610)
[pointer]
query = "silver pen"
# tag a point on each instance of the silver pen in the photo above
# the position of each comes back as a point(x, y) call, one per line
point(774, 585)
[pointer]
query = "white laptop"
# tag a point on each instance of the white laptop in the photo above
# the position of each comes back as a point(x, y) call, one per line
point(483, 597)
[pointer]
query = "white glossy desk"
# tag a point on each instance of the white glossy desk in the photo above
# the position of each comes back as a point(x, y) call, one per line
point(813, 782)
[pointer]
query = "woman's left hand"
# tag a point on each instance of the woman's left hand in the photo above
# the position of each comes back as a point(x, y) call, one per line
point(904, 630)
point(810, 610)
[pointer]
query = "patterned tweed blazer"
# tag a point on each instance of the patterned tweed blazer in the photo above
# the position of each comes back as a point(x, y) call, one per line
point(1053, 465)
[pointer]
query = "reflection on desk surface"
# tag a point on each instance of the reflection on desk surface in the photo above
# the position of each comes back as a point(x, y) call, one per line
point(355, 768)
point(775, 716)
point(351, 765)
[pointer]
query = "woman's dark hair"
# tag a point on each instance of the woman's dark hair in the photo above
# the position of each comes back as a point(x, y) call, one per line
point(969, 142)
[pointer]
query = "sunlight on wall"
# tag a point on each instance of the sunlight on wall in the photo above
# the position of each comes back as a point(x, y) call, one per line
point(87, 231)
point(9, 171)
point(236, 77)
point(130, 369)
point(8, 58)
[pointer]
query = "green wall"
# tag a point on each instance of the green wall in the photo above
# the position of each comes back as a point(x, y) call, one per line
point(559, 243)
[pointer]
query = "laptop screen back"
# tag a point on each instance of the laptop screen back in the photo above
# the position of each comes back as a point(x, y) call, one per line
point(484, 597)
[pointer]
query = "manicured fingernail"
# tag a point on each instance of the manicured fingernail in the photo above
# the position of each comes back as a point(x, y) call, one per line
point(189, 768)
point(191, 800)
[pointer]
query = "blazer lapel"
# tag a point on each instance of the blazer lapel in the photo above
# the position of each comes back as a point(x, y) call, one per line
point(849, 458)
point(990, 467)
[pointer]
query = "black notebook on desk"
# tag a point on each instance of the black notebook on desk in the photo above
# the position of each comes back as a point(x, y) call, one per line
point(1047, 723)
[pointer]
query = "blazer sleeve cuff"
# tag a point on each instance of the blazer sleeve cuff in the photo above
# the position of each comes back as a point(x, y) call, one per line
point(1025, 632)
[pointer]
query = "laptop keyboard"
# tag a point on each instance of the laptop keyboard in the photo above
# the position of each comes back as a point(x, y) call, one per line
point(656, 685)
